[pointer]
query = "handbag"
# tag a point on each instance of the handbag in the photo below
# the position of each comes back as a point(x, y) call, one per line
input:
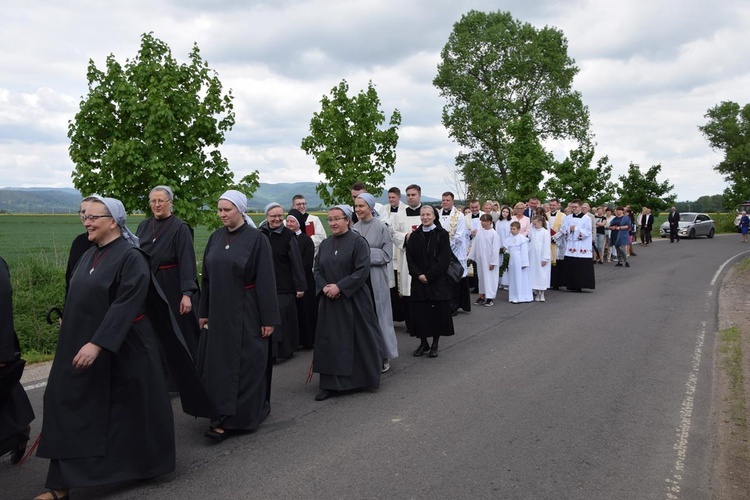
point(455, 269)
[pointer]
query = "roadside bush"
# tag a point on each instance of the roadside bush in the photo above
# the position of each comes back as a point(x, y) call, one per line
point(38, 283)
point(724, 222)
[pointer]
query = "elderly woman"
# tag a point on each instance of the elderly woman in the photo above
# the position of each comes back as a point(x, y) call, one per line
point(107, 414)
point(378, 236)
point(428, 253)
point(307, 305)
point(169, 242)
point(290, 280)
point(238, 310)
point(346, 355)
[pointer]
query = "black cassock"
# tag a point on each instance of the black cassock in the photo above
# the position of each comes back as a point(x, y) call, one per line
point(112, 421)
point(169, 242)
point(238, 297)
point(15, 409)
point(346, 355)
point(307, 306)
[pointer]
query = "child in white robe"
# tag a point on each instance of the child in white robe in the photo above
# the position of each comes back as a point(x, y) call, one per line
point(539, 257)
point(485, 251)
point(517, 246)
point(502, 226)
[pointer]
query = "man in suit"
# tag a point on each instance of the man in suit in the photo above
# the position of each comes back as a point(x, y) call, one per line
point(674, 224)
point(647, 224)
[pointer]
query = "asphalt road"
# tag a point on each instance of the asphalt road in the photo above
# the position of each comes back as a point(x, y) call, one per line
point(598, 395)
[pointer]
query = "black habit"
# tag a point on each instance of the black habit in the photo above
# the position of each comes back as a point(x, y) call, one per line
point(290, 279)
point(16, 412)
point(113, 421)
point(238, 297)
point(169, 242)
point(307, 306)
point(429, 253)
point(346, 354)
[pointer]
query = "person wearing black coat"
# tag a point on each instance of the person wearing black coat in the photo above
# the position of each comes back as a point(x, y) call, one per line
point(428, 254)
point(674, 224)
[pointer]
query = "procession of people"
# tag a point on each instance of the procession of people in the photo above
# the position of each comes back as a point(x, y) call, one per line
point(136, 324)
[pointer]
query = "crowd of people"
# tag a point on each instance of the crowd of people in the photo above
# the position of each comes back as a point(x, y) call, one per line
point(138, 323)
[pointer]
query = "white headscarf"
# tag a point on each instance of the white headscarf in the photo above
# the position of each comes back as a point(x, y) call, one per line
point(169, 192)
point(117, 211)
point(239, 200)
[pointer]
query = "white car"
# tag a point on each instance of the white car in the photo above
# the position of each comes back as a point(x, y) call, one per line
point(691, 225)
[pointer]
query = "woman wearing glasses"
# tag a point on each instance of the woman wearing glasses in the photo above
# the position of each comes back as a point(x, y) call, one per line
point(347, 355)
point(107, 413)
point(169, 242)
point(239, 310)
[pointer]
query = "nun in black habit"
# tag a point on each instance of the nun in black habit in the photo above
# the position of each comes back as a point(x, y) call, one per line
point(16, 412)
point(346, 353)
point(107, 413)
point(169, 242)
point(290, 280)
point(239, 310)
point(307, 305)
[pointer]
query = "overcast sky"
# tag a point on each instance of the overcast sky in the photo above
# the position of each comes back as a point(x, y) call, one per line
point(650, 69)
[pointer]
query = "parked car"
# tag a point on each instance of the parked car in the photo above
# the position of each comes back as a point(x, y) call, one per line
point(691, 224)
point(745, 207)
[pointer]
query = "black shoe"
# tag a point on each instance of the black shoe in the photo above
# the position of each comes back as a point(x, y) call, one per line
point(20, 450)
point(323, 395)
point(627, 264)
point(423, 348)
point(216, 436)
point(433, 352)
point(618, 265)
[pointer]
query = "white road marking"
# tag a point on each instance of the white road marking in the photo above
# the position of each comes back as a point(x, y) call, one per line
point(721, 267)
point(35, 386)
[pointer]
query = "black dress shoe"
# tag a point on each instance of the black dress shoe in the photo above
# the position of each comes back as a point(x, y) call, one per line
point(323, 395)
point(423, 348)
point(433, 353)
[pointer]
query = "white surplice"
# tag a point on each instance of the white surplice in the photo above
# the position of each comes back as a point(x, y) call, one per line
point(518, 270)
point(485, 251)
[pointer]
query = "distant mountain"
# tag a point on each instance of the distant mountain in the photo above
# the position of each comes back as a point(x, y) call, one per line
point(41, 200)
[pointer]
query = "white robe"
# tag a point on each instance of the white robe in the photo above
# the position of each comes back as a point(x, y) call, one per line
point(503, 231)
point(455, 224)
point(390, 218)
point(578, 242)
point(485, 251)
point(403, 225)
point(539, 251)
point(518, 270)
point(319, 232)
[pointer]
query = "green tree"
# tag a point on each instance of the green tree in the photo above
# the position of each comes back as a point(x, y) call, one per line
point(508, 87)
point(348, 144)
point(638, 189)
point(155, 121)
point(728, 130)
point(574, 178)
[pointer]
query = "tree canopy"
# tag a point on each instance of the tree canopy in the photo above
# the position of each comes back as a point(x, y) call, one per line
point(349, 145)
point(508, 87)
point(638, 189)
point(154, 121)
point(574, 178)
point(728, 130)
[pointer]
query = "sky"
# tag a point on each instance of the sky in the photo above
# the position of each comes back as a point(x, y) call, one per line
point(649, 71)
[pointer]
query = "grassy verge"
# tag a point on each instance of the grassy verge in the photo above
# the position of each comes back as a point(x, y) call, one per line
point(732, 363)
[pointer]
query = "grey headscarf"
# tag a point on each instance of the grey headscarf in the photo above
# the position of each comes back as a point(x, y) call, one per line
point(239, 200)
point(167, 190)
point(117, 211)
point(271, 205)
point(370, 200)
point(344, 208)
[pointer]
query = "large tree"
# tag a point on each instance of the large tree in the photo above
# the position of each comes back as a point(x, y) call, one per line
point(644, 190)
point(575, 177)
point(728, 130)
point(349, 145)
point(154, 121)
point(508, 87)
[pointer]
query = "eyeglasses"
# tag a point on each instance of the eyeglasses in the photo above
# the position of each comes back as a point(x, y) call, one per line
point(158, 202)
point(275, 216)
point(92, 218)
point(335, 219)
